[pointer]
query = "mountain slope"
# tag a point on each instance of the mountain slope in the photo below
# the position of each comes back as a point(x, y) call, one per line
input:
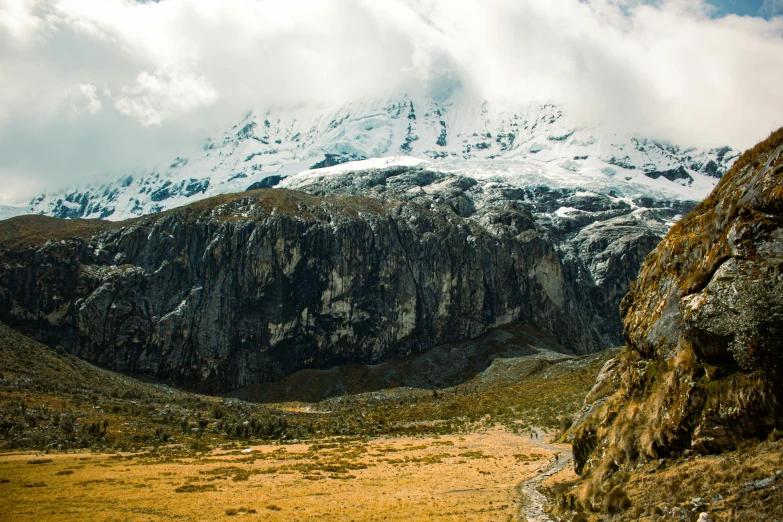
point(529, 145)
point(247, 288)
point(703, 324)
point(601, 239)
point(8, 211)
point(355, 266)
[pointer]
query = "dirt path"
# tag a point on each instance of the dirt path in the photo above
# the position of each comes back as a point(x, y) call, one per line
point(533, 509)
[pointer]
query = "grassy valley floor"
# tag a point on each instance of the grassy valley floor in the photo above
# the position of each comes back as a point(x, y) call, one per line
point(470, 477)
point(399, 442)
point(79, 442)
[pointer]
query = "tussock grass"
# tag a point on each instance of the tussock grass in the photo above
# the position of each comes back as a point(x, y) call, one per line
point(665, 489)
point(676, 392)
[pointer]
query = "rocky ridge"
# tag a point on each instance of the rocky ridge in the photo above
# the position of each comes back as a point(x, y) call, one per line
point(247, 288)
point(601, 239)
point(350, 267)
point(703, 328)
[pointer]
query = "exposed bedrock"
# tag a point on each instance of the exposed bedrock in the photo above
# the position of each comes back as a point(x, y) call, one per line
point(703, 325)
point(247, 288)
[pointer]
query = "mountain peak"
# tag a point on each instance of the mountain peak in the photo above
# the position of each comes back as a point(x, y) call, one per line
point(532, 143)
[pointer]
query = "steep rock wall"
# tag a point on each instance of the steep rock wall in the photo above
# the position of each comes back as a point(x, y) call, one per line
point(247, 288)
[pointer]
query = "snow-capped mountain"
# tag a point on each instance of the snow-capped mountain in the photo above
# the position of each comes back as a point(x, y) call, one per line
point(9, 211)
point(532, 145)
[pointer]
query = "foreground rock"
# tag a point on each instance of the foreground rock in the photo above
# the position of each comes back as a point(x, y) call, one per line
point(703, 325)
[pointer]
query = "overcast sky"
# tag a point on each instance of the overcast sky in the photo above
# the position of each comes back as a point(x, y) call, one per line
point(89, 87)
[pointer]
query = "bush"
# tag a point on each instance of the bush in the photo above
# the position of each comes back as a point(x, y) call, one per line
point(96, 429)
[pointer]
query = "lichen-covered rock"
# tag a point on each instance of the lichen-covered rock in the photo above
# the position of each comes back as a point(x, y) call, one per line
point(246, 288)
point(704, 331)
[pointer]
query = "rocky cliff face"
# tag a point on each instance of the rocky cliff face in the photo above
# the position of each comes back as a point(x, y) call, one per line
point(350, 267)
point(246, 288)
point(703, 325)
point(601, 238)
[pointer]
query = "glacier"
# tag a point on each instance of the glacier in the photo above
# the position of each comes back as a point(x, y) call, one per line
point(535, 144)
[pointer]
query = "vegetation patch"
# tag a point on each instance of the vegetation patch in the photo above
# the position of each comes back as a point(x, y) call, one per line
point(195, 488)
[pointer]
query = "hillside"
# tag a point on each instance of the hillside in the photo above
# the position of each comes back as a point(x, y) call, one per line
point(451, 450)
point(352, 267)
point(700, 374)
point(52, 400)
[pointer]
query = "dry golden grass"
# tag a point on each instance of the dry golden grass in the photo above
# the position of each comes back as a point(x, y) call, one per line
point(111, 447)
point(470, 477)
point(722, 485)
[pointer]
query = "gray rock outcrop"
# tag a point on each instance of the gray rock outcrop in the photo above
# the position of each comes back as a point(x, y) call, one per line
point(359, 267)
point(248, 288)
point(703, 325)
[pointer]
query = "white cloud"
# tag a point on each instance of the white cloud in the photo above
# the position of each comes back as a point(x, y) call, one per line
point(162, 95)
point(170, 72)
point(83, 98)
point(18, 20)
point(15, 183)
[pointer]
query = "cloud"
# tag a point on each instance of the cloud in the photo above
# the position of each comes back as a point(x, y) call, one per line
point(770, 8)
point(162, 95)
point(18, 20)
point(150, 79)
point(83, 99)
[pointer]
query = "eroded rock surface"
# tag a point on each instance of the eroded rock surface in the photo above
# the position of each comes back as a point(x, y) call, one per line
point(601, 238)
point(350, 267)
point(703, 324)
point(247, 288)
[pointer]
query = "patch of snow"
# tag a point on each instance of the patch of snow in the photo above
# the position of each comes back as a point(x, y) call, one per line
point(563, 211)
point(9, 211)
point(373, 163)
